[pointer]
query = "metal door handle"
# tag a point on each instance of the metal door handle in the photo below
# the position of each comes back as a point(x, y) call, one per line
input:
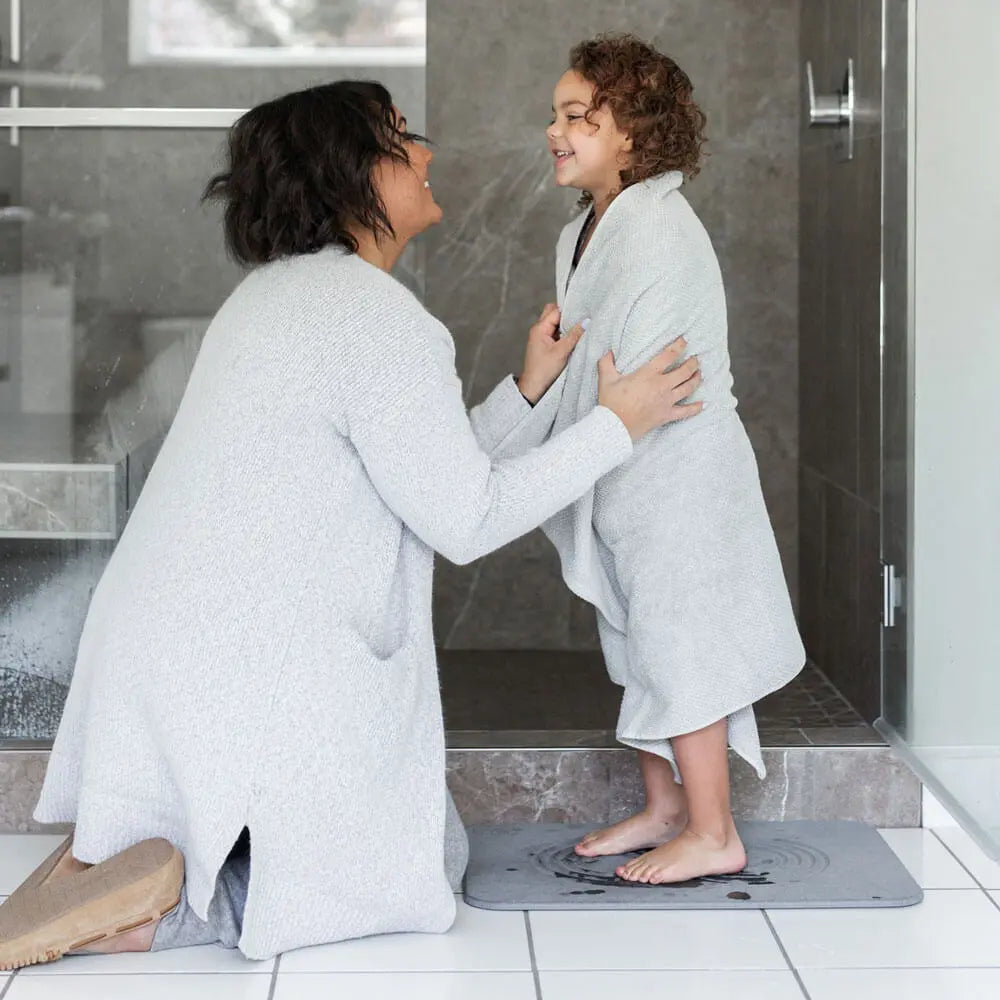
point(831, 109)
point(837, 109)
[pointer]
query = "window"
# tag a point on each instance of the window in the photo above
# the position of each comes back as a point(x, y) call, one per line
point(279, 32)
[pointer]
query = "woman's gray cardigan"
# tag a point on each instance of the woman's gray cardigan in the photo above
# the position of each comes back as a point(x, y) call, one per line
point(259, 650)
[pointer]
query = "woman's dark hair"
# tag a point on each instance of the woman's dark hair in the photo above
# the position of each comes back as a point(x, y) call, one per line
point(299, 171)
point(649, 96)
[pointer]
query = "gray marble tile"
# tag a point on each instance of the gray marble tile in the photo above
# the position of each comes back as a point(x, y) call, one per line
point(762, 78)
point(514, 598)
point(21, 777)
point(867, 784)
point(530, 786)
point(489, 265)
point(578, 786)
point(625, 793)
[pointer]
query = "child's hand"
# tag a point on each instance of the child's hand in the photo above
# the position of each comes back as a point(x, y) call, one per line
point(547, 353)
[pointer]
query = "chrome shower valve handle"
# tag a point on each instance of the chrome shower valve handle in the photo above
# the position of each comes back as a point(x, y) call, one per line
point(837, 109)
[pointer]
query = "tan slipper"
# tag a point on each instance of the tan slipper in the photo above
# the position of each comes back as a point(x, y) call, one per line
point(47, 917)
point(41, 874)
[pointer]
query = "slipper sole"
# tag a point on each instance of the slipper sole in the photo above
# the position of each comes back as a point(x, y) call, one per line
point(129, 890)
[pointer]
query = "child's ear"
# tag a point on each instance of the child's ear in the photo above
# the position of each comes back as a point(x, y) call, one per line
point(627, 148)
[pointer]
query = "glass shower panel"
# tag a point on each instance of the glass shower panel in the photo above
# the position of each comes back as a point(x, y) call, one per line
point(110, 269)
point(215, 53)
point(941, 488)
point(111, 272)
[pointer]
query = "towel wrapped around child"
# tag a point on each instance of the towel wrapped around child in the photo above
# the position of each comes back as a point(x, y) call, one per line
point(674, 548)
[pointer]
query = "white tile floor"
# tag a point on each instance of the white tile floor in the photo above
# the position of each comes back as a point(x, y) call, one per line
point(948, 947)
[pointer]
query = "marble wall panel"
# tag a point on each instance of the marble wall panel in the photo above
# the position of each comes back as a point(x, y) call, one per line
point(491, 69)
point(868, 784)
point(21, 777)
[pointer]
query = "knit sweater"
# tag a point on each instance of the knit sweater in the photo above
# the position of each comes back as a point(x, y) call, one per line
point(259, 650)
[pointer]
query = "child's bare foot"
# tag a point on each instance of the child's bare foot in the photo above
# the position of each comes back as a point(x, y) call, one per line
point(690, 855)
point(644, 829)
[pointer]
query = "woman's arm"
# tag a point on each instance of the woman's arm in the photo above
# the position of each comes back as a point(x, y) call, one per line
point(405, 415)
point(518, 414)
point(506, 424)
point(498, 414)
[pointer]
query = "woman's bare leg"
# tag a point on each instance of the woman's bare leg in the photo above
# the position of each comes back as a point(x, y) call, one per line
point(709, 843)
point(662, 818)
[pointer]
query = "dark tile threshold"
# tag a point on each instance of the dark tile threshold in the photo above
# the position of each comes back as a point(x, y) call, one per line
point(565, 699)
point(604, 739)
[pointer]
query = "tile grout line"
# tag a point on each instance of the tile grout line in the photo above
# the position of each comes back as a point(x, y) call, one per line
point(531, 955)
point(961, 863)
point(274, 979)
point(9, 983)
point(785, 955)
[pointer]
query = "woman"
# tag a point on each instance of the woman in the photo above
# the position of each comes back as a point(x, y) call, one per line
point(258, 661)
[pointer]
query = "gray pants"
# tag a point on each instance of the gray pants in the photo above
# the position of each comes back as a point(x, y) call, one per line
point(182, 927)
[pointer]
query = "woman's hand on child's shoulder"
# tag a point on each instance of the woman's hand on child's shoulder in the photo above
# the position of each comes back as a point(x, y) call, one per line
point(652, 395)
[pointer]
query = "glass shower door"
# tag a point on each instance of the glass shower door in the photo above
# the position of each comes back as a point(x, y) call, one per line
point(112, 117)
point(941, 368)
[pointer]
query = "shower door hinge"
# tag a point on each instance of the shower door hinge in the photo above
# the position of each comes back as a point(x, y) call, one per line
point(892, 594)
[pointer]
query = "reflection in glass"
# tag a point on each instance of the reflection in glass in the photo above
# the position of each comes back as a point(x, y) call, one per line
point(110, 272)
point(197, 54)
point(278, 31)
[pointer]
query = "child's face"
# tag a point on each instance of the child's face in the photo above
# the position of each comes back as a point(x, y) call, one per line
point(586, 155)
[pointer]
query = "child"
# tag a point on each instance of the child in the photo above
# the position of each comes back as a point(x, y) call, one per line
point(674, 548)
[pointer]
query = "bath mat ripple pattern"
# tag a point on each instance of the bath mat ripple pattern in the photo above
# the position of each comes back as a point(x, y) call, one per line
point(789, 864)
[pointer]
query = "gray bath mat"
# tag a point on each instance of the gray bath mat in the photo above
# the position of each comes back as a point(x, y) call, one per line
point(795, 864)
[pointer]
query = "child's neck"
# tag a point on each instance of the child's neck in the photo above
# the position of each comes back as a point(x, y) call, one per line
point(602, 202)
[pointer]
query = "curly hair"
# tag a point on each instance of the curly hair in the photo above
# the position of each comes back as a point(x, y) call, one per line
point(649, 96)
point(299, 171)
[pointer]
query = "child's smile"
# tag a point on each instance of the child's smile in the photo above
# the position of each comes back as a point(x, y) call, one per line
point(588, 149)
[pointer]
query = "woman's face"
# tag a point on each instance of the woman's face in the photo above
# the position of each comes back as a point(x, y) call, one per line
point(586, 155)
point(405, 189)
